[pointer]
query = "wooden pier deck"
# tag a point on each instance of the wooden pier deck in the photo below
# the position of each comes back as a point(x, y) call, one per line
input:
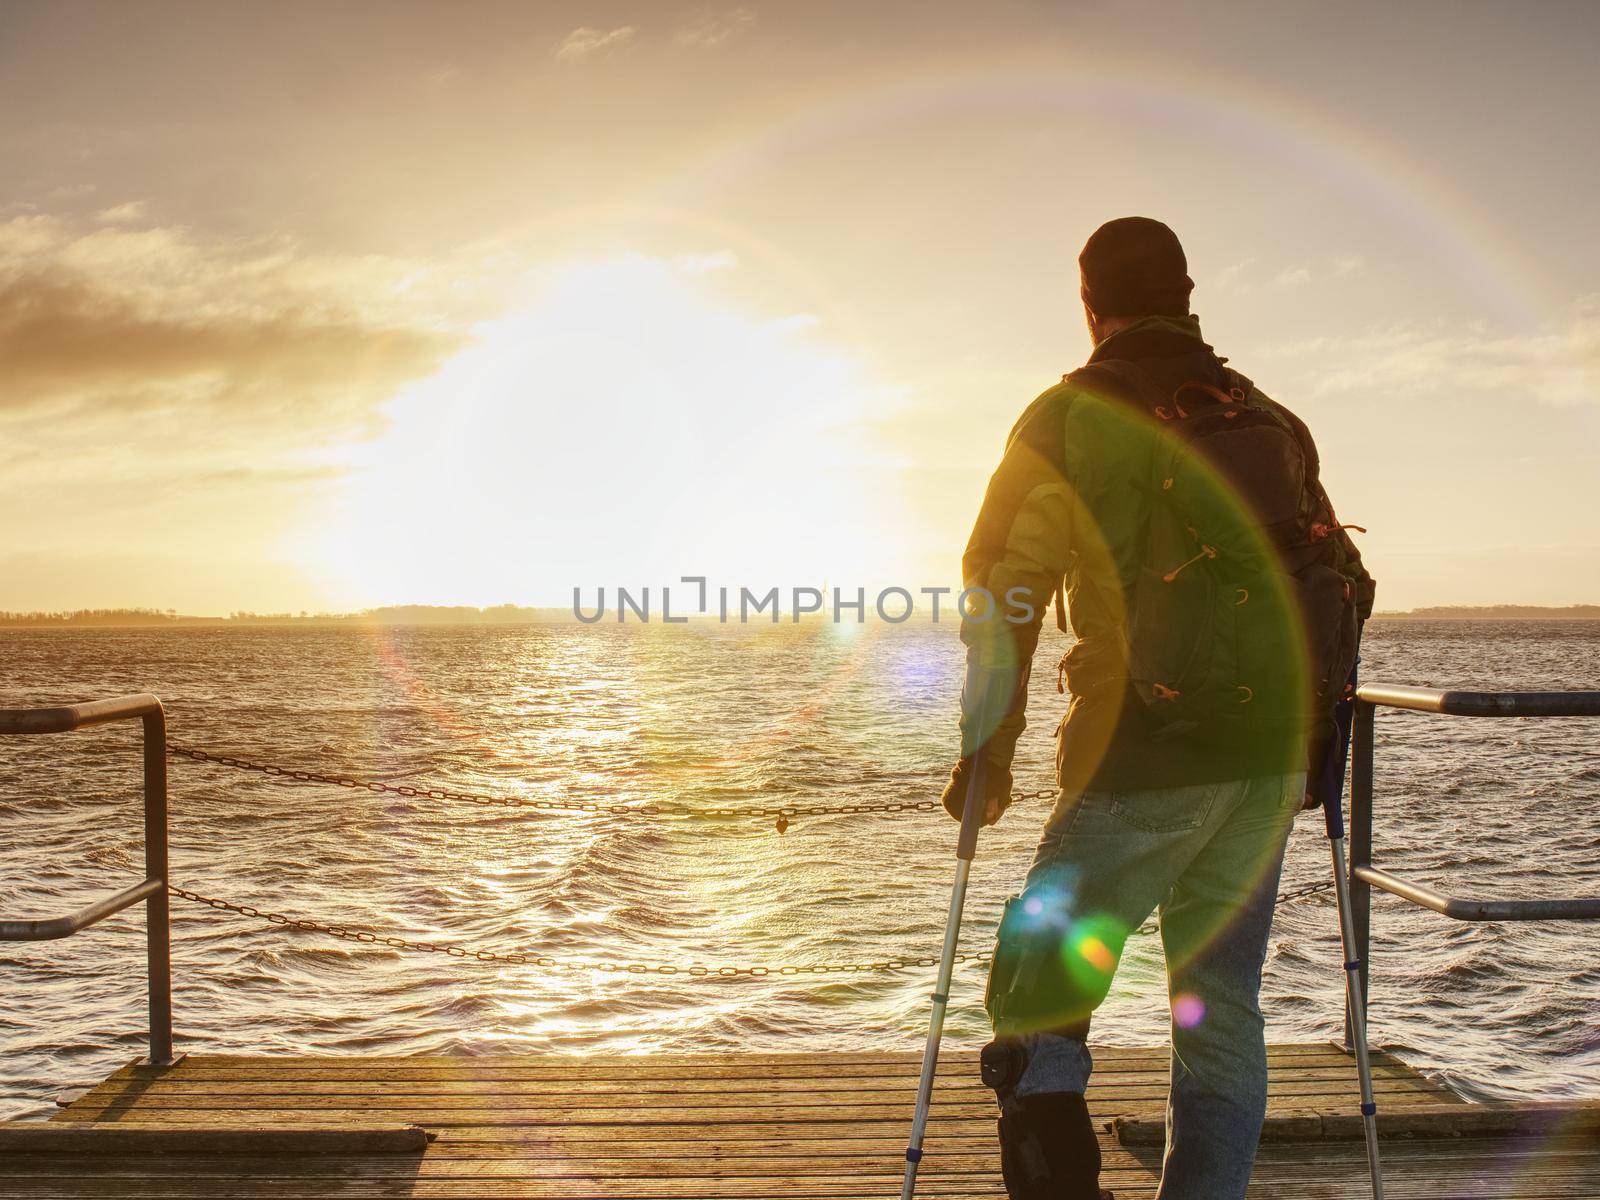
point(706, 1127)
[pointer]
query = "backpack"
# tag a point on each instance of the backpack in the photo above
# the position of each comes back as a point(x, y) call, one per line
point(1241, 614)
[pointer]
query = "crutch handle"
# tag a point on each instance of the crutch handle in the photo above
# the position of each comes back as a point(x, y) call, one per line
point(972, 814)
point(1328, 787)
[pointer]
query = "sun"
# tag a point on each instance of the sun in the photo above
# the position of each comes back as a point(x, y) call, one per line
point(629, 425)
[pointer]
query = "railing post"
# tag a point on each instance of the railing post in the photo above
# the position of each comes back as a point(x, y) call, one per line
point(1361, 746)
point(157, 917)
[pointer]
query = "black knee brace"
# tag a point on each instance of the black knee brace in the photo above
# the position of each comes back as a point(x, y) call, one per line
point(1048, 1148)
point(1038, 982)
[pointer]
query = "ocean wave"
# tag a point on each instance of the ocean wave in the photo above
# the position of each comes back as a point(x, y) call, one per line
point(619, 717)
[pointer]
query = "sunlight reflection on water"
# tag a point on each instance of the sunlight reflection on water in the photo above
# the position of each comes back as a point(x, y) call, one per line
point(707, 716)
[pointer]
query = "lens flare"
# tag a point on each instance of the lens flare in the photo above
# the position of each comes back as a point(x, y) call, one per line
point(1188, 1010)
point(1097, 954)
point(1092, 949)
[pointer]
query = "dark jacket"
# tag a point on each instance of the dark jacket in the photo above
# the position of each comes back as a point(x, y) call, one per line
point(1070, 504)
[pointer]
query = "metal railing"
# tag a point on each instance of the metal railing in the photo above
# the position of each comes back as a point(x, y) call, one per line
point(152, 890)
point(1364, 876)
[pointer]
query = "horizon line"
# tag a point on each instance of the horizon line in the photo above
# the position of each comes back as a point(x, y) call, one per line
point(515, 614)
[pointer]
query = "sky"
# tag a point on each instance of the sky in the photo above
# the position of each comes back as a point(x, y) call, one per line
point(319, 307)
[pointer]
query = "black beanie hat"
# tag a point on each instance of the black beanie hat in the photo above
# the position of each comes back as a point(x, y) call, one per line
point(1134, 267)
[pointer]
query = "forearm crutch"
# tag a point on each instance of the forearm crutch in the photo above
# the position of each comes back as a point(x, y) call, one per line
point(966, 846)
point(1330, 789)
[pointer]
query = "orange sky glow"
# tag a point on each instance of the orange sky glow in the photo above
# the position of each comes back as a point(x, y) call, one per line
point(324, 307)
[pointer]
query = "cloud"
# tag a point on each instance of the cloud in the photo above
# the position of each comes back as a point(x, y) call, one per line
point(1555, 366)
point(1228, 278)
point(96, 323)
point(587, 41)
point(62, 339)
point(122, 214)
point(709, 28)
point(800, 322)
point(1242, 277)
point(169, 267)
point(442, 75)
point(706, 262)
point(182, 403)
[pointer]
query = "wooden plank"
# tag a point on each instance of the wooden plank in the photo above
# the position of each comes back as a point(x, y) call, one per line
point(1427, 1120)
point(821, 1059)
point(1331, 1180)
point(283, 1138)
point(826, 1060)
point(466, 1111)
point(382, 1098)
point(748, 1081)
point(1521, 1156)
point(741, 1127)
point(1318, 1079)
point(535, 1134)
point(712, 1076)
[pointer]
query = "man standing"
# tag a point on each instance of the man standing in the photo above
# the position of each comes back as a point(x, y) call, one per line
point(1215, 601)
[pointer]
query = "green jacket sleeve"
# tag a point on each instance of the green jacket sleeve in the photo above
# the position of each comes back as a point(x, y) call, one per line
point(1015, 560)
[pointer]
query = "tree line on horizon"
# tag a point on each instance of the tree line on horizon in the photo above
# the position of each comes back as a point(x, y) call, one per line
point(402, 614)
point(1499, 612)
point(513, 614)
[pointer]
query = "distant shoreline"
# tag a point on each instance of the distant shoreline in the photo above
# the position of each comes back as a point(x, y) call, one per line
point(510, 614)
point(409, 614)
point(1495, 612)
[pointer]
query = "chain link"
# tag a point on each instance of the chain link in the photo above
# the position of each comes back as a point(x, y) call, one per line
point(1299, 893)
point(355, 933)
point(782, 815)
point(1310, 889)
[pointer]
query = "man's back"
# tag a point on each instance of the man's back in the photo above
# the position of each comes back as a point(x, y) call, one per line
point(1214, 598)
point(1076, 489)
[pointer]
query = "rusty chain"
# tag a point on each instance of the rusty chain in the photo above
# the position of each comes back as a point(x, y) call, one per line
point(1300, 893)
point(356, 933)
point(782, 815)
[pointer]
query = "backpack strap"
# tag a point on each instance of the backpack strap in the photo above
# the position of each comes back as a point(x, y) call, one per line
point(1302, 432)
point(1120, 379)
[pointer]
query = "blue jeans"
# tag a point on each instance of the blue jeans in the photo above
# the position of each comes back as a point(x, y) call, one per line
point(1209, 858)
